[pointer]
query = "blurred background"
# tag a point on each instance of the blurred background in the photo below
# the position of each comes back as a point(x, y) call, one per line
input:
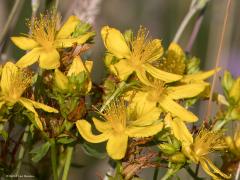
point(161, 17)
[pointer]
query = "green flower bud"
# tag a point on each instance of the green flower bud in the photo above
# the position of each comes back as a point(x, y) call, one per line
point(227, 82)
point(176, 143)
point(235, 91)
point(81, 29)
point(128, 35)
point(167, 148)
point(193, 65)
point(178, 158)
point(199, 4)
point(109, 59)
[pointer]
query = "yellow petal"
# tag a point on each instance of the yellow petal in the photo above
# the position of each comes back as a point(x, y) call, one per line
point(29, 58)
point(28, 105)
point(89, 65)
point(9, 71)
point(122, 69)
point(145, 131)
point(76, 67)
point(84, 128)
point(146, 111)
point(61, 81)
point(235, 90)
point(162, 75)
point(101, 126)
point(141, 74)
point(68, 28)
point(171, 106)
point(158, 50)
point(49, 59)
point(185, 91)
point(206, 163)
point(180, 130)
point(215, 169)
point(199, 76)
point(117, 146)
point(69, 42)
point(115, 42)
point(24, 42)
point(41, 106)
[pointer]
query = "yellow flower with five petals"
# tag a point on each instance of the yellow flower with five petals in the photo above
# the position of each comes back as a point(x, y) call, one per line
point(137, 56)
point(120, 123)
point(45, 39)
point(158, 93)
point(14, 82)
point(206, 142)
point(197, 149)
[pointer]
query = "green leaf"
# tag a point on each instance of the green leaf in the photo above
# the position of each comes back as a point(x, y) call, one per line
point(81, 29)
point(94, 152)
point(40, 151)
point(65, 140)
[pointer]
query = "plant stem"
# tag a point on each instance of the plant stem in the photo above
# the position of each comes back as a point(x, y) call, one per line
point(67, 163)
point(54, 159)
point(184, 23)
point(11, 16)
point(168, 174)
point(217, 61)
point(195, 31)
point(116, 92)
point(197, 169)
point(155, 175)
point(22, 149)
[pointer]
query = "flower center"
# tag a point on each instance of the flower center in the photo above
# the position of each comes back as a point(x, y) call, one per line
point(144, 50)
point(44, 30)
point(116, 114)
point(156, 91)
point(19, 81)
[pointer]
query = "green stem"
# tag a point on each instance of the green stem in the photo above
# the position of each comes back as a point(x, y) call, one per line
point(22, 149)
point(184, 23)
point(168, 174)
point(155, 175)
point(113, 96)
point(17, 5)
point(67, 163)
point(54, 159)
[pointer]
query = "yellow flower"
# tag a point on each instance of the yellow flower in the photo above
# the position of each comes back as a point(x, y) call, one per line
point(165, 97)
point(77, 66)
point(138, 56)
point(120, 123)
point(14, 82)
point(45, 40)
point(234, 142)
point(205, 143)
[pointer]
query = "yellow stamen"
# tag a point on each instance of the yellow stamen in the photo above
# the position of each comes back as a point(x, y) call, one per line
point(44, 29)
point(143, 50)
point(116, 114)
point(155, 91)
point(19, 82)
point(208, 141)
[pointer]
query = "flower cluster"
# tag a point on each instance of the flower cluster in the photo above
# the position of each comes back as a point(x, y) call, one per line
point(142, 109)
